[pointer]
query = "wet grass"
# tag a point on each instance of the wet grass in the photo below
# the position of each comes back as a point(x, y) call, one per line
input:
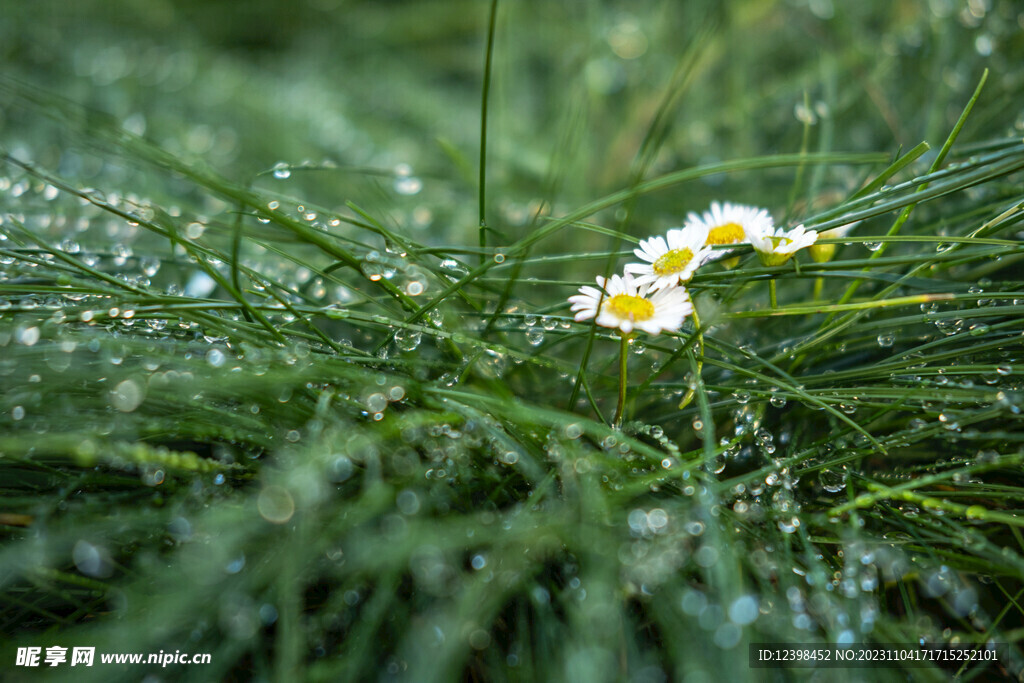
point(330, 418)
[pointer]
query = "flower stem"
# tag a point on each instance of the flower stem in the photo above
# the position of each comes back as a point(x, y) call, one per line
point(623, 358)
point(700, 361)
point(771, 294)
point(819, 285)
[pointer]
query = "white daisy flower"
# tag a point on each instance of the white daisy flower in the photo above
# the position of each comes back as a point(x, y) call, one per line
point(776, 246)
point(729, 223)
point(824, 252)
point(671, 259)
point(626, 306)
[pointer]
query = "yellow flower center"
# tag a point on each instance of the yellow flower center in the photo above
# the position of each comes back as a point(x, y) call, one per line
point(631, 307)
point(730, 233)
point(673, 261)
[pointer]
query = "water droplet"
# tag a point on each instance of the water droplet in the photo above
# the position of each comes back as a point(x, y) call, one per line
point(92, 560)
point(886, 339)
point(282, 171)
point(408, 185)
point(152, 476)
point(872, 246)
point(407, 502)
point(200, 285)
point(236, 565)
point(27, 336)
point(340, 469)
point(804, 114)
point(150, 265)
point(275, 504)
point(376, 402)
point(788, 526)
point(535, 336)
point(127, 396)
point(454, 267)
point(833, 480)
point(983, 44)
point(408, 340)
point(744, 610)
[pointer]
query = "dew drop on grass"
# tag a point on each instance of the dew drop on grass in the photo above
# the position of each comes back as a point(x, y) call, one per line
point(534, 336)
point(126, 396)
point(150, 265)
point(215, 358)
point(408, 340)
point(788, 526)
point(373, 271)
point(200, 285)
point(408, 185)
point(872, 246)
point(376, 402)
point(26, 336)
point(744, 610)
point(454, 267)
point(742, 397)
point(949, 326)
point(886, 339)
point(804, 114)
point(275, 504)
point(152, 476)
point(92, 560)
point(833, 480)
point(282, 171)
point(235, 565)
point(340, 469)
point(407, 502)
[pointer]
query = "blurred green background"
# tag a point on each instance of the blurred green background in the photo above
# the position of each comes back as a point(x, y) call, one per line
point(379, 103)
point(576, 87)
